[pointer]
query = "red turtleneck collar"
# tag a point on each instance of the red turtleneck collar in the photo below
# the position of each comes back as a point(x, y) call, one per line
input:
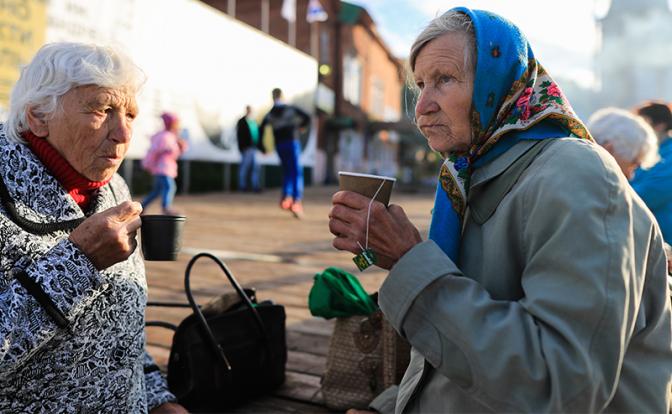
point(80, 188)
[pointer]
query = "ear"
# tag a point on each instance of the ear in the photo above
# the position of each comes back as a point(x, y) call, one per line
point(37, 124)
point(609, 147)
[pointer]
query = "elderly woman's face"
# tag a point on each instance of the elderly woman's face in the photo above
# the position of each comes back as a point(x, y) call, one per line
point(443, 109)
point(92, 129)
point(627, 165)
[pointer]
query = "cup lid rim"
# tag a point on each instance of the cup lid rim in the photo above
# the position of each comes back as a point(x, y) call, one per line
point(162, 216)
point(378, 177)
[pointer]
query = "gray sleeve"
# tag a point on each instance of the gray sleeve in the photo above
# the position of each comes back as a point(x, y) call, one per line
point(386, 401)
point(558, 348)
point(65, 280)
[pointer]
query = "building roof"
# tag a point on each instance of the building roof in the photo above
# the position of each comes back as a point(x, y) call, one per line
point(352, 14)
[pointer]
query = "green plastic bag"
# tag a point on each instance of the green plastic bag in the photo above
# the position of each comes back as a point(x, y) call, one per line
point(336, 293)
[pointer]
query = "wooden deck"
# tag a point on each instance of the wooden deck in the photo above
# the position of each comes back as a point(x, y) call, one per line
point(266, 248)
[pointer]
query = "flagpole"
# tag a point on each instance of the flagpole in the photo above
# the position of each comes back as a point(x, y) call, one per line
point(314, 39)
point(264, 15)
point(292, 30)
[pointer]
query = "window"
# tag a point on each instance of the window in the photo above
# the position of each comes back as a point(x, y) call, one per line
point(352, 79)
point(377, 104)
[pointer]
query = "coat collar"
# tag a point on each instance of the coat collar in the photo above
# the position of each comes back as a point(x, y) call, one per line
point(501, 163)
point(37, 194)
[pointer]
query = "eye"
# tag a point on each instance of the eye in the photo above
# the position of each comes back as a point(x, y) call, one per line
point(131, 115)
point(103, 110)
point(445, 78)
point(420, 85)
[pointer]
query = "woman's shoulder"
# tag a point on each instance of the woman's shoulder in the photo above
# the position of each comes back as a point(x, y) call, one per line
point(571, 168)
point(573, 157)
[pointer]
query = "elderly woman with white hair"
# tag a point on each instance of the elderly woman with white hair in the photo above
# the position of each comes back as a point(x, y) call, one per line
point(73, 288)
point(627, 137)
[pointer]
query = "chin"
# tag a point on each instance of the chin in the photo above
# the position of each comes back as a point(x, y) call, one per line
point(439, 145)
point(447, 146)
point(101, 175)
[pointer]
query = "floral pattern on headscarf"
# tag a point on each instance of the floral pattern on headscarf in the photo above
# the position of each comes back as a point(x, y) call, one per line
point(512, 92)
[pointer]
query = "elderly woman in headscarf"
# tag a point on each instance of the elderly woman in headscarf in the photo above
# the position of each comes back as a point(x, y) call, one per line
point(73, 288)
point(542, 285)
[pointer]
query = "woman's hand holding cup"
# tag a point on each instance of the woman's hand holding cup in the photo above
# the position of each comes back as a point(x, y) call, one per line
point(391, 233)
point(109, 237)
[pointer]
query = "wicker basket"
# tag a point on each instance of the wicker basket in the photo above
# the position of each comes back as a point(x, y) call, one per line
point(366, 355)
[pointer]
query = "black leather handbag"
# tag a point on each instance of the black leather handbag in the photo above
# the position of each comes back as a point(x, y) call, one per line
point(220, 358)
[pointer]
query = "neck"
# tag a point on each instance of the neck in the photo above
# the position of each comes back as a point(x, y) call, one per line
point(80, 188)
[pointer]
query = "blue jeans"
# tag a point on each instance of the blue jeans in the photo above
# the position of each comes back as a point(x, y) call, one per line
point(292, 171)
point(248, 165)
point(165, 187)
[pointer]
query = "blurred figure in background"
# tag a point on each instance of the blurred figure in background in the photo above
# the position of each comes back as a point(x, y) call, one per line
point(286, 120)
point(627, 137)
point(654, 186)
point(161, 161)
point(249, 142)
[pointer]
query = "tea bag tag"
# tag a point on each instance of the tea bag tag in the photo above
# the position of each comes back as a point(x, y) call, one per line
point(365, 259)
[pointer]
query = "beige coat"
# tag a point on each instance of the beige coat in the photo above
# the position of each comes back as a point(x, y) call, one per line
point(560, 303)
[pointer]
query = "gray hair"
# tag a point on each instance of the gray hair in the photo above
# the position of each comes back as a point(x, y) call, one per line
point(59, 67)
point(448, 22)
point(630, 135)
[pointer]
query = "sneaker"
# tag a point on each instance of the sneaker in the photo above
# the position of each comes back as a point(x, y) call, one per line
point(286, 203)
point(297, 209)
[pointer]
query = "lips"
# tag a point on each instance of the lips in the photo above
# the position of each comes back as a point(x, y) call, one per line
point(426, 128)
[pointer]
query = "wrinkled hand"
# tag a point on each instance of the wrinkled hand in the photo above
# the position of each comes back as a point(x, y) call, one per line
point(109, 237)
point(391, 233)
point(169, 408)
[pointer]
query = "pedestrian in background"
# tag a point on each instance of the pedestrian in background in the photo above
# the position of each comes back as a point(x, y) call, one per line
point(627, 137)
point(249, 142)
point(654, 185)
point(286, 120)
point(161, 161)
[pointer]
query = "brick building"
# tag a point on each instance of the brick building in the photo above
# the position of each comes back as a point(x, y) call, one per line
point(360, 81)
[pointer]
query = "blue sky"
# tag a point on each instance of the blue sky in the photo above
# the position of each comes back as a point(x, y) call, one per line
point(563, 34)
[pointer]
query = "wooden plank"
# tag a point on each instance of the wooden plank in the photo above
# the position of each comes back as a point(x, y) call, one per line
point(307, 342)
point(317, 326)
point(270, 405)
point(305, 363)
point(301, 387)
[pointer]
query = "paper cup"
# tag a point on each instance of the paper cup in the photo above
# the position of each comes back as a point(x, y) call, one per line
point(367, 185)
point(161, 236)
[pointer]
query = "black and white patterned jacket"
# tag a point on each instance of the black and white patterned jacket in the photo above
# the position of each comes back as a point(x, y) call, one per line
point(94, 359)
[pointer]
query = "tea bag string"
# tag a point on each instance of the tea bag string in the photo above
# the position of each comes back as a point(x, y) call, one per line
point(368, 217)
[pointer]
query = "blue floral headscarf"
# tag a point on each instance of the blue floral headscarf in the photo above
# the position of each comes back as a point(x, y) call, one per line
point(513, 99)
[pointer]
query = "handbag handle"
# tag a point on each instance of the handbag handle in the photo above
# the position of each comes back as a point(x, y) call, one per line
point(217, 349)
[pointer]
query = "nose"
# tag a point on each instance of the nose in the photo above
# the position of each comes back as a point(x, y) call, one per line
point(121, 129)
point(426, 104)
